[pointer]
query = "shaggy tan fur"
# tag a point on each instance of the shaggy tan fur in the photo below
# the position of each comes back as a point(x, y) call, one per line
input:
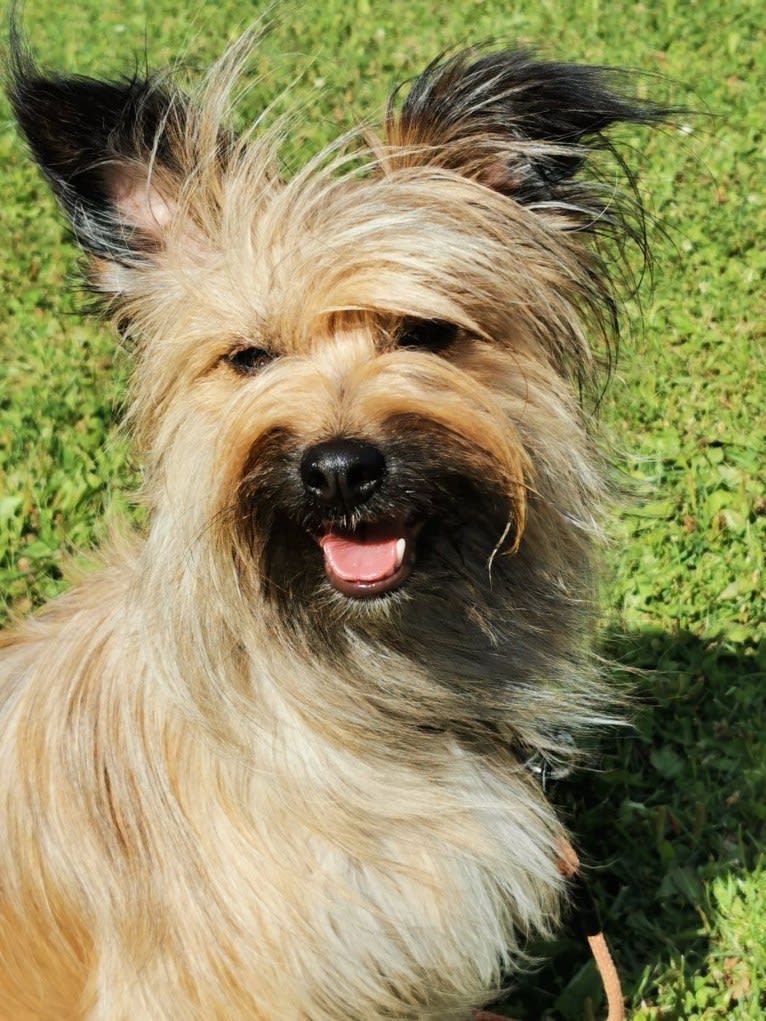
point(230, 790)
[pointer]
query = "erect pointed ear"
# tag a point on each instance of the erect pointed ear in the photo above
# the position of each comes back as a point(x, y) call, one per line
point(107, 149)
point(516, 124)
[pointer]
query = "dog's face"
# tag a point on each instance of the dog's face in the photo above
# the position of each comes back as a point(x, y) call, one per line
point(355, 388)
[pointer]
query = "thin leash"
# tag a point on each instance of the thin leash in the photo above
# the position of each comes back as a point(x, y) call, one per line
point(587, 917)
point(585, 911)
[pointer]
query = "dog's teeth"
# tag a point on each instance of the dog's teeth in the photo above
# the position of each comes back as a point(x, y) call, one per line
point(401, 546)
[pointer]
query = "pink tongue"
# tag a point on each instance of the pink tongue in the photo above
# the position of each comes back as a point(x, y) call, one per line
point(371, 558)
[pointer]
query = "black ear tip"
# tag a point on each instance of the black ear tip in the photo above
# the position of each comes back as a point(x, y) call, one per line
point(34, 97)
point(20, 65)
point(522, 93)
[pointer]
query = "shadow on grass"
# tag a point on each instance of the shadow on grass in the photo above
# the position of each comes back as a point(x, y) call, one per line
point(675, 802)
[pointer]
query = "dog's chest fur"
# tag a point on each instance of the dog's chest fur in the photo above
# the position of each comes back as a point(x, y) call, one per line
point(220, 862)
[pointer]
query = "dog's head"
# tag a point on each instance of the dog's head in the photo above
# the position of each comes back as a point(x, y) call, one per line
point(357, 389)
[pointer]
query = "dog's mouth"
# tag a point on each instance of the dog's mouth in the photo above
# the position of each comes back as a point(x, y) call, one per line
point(372, 559)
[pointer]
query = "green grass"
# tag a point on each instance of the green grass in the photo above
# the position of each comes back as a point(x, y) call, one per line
point(674, 821)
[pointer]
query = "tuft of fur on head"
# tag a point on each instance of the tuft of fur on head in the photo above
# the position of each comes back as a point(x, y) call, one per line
point(303, 699)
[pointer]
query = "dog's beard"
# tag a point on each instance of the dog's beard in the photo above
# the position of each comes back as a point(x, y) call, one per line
point(483, 613)
point(429, 524)
point(446, 600)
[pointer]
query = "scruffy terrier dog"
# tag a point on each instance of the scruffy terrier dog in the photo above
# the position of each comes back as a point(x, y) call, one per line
point(270, 759)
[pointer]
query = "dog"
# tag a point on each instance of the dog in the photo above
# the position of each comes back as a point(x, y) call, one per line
point(270, 758)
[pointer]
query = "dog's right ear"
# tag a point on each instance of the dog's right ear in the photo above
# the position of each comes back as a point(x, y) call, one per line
point(518, 125)
point(107, 149)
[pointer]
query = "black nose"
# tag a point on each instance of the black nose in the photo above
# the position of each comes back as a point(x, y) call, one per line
point(342, 473)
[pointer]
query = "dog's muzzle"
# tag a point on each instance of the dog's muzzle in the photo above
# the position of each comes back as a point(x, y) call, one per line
point(375, 556)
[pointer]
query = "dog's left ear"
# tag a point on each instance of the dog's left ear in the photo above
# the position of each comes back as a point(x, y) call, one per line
point(513, 123)
point(109, 151)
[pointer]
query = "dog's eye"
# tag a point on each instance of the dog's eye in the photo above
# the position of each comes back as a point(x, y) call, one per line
point(432, 335)
point(248, 360)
